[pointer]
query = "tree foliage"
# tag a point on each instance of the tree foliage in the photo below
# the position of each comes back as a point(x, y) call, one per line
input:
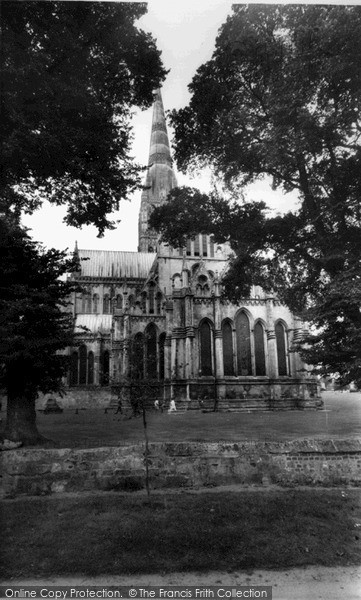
point(71, 73)
point(281, 97)
point(35, 325)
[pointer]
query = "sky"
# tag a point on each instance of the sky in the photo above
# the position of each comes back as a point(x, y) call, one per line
point(185, 31)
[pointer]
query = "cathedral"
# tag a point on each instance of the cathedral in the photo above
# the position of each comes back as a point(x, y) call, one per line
point(158, 315)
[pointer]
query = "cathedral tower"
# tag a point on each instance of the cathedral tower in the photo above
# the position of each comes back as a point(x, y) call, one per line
point(160, 178)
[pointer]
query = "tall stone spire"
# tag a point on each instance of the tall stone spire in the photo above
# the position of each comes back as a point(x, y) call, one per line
point(160, 178)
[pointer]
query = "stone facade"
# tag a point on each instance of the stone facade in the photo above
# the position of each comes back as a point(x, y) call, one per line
point(158, 314)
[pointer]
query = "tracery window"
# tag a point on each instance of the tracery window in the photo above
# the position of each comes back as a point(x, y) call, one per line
point(159, 303)
point(205, 339)
point(259, 349)
point(151, 299)
point(74, 369)
point(119, 301)
point(204, 244)
point(227, 344)
point(105, 360)
point(137, 365)
point(243, 335)
point(95, 303)
point(106, 304)
point(90, 377)
point(151, 351)
point(281, 349)
point(82, 364)
point(196, 246)
point(161, 345)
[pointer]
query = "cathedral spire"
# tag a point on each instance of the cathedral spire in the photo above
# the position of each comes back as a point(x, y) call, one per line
point(160, 178)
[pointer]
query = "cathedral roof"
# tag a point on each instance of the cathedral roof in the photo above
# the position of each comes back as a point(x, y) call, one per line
point(93, 323)
point(115, 264)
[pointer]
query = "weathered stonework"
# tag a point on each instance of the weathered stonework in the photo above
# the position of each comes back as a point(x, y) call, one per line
point(182, 465)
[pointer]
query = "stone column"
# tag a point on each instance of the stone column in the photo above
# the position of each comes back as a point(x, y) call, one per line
point(271, 341)
point(218, 346)
point(298, 335)
point(97, 356)
point(218, 353)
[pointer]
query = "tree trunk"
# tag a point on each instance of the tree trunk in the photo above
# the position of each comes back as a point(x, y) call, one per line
point(21, 421)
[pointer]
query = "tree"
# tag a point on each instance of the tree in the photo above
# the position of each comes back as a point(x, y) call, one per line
point(281, 98)
point(35, 326)
point(71, 74)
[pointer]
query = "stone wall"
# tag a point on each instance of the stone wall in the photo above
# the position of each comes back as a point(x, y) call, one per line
point(182, 465)
point(87, 397)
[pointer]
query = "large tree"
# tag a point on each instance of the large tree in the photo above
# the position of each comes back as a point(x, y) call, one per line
point(35, 325)
point(71, 74)
point(281, 97)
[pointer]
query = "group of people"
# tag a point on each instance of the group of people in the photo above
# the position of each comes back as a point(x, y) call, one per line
point(158, 405)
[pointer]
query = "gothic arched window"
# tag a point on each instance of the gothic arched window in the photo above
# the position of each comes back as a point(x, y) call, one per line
point(95, 303)
point(204, 244)
point(143, 303)
point(259, 349)
point(151, 351)
point(90, 378)
point(82, 364)
point(211, 247)
point(196, 246)
point(281, 349)
point(161, 354)
point(74, 369)
point(104, 380)
point(151, 298)
point(205, 339)
point(106, 304)
point(137, 364)
point(227, 343)
point(159, 303)
point(119, 301)
point(243, 334)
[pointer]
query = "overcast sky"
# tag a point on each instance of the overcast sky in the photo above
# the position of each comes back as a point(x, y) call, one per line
point(185, 31)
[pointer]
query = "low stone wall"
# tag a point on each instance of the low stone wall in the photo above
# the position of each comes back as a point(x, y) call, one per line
point(182, 465)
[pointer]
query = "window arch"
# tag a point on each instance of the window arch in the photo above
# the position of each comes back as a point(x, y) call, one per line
point(204, 244)
point(159, 303)
point(205, 342)
point(151, 298)
point(143, 303)
point(106, 304)
point(74, 369)
point(95, 303)
point(259, 349)
point(86, 302)
point(105, 359)
point(280, 332)
point(196, 245)
point(243, 333)
point(227, 344)
point(151, 351)
point(161, 353)
point(119, 301)
point(82, 364)
point(137, 365)
point(90, 377)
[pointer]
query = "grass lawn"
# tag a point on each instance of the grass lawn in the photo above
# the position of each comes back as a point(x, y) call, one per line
point(93, 428)
point(124, 534)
